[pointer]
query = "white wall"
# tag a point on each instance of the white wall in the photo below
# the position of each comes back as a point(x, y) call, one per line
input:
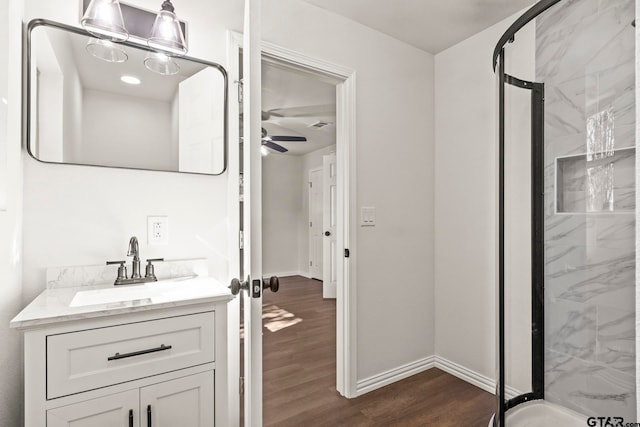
point(282, 194)
point(10, 213)
point(466, 206)
point(136, 132)
point(395, 148)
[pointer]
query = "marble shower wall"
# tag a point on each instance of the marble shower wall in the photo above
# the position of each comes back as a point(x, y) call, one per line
point(585, 55)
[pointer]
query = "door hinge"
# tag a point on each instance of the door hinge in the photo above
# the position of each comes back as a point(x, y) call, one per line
point(310, 184)
point(310, 223)
point(241, 239)
point(240, 91)
point(241, 386)
point(346, 253)
point(310, 263)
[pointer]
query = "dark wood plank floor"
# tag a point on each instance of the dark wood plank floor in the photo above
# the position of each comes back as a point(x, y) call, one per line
point(299, 374)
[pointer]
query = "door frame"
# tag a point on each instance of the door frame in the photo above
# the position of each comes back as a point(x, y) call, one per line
point(346, 327)
point(311, 171)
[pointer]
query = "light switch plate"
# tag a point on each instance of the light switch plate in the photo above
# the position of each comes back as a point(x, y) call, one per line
point(158, 230)
point(367, 216)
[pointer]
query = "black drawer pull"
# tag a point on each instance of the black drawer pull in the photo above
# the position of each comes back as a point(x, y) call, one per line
point(130, 417)
point(139, 353)
point(148, 415)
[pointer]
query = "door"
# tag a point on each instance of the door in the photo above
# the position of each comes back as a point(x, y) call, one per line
point(329, 214)
point(184, 402)
point(316, 226)
point(252, 213)
point(119, 409)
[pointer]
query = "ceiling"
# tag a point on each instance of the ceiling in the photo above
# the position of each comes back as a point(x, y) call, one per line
point(430, 25)
point(292, 101)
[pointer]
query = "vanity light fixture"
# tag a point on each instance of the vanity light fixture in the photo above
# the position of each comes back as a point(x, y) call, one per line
point(106, 50)
point(167, 35)
point(103, 19)
point(161, 63)
point(130, 80)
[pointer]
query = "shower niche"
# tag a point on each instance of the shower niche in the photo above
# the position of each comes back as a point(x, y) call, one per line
point(599, 182)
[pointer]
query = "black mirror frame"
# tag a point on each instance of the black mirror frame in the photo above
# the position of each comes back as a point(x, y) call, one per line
point(35, 23)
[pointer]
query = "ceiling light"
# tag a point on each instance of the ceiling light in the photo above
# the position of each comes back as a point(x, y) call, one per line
point(264, 151)
point(166, 34)
point(103, 19)
point(106, 50)
point(130, 80)
point(161, 63)
point(4, 101)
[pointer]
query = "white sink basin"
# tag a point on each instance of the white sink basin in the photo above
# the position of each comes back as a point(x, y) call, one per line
point(110, 295)
point(154, 292)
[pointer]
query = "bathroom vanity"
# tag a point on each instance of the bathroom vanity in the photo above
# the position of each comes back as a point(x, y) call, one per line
point(145, 355)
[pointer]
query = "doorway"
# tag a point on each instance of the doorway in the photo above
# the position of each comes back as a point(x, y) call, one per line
point(344, 78)
point(299, 321)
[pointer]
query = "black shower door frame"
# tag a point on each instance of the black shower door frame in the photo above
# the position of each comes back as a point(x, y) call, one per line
point(537, 243)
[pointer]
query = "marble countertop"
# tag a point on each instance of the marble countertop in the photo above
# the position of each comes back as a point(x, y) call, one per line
point(85, 302)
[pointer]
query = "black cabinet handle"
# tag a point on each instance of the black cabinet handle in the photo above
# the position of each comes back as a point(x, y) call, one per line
point(139, 353)
point(130, 417)
point(148, 415)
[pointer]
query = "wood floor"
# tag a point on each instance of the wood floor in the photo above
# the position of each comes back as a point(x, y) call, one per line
point(299, 374)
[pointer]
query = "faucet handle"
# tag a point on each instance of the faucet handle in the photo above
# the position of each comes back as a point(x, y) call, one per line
point(149, 270)
point(122, 270)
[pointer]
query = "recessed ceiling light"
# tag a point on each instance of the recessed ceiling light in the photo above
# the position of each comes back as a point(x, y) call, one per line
point(130, 80)
point(4, 101)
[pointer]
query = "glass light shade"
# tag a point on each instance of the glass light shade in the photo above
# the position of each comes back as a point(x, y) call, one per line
point(166, 34)
point(103, 19)
point(106, 50)
point(161, 63)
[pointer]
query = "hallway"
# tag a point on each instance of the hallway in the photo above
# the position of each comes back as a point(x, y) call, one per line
point(299, 374)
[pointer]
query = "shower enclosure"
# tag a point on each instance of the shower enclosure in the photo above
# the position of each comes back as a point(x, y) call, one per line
point(566, 338)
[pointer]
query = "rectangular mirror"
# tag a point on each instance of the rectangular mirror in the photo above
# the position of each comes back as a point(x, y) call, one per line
point(83, 109)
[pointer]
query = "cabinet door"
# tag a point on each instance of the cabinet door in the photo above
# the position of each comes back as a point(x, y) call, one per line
point(110, 411)
point(184, 402)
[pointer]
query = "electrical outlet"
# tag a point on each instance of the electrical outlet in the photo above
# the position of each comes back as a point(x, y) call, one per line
point(158, 230)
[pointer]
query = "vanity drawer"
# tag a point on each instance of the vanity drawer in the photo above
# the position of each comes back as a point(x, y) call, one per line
point(94, 358)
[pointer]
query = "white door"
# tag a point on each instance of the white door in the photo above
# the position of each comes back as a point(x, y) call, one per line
point(316, 227)
point(184, 402)
point(252, 177)
point(119, 409)
point(330, 211)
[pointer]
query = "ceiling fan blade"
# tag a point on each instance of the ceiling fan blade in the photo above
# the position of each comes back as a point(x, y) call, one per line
point(285, 138)
point(274, 146)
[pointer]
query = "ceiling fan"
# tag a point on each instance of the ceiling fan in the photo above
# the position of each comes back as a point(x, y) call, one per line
point(270, 141)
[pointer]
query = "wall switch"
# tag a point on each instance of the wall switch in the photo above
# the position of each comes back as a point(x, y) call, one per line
point(367, 216)
point(158, 230)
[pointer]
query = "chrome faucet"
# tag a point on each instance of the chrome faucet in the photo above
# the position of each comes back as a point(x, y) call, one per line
point(134, 251)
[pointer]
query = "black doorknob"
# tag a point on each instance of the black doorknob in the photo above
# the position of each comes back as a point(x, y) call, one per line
point(327, 233)
point(273, 284)
point(236, 286)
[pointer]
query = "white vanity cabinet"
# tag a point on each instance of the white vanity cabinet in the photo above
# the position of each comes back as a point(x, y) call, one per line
point(183, 402)
point(138, 363)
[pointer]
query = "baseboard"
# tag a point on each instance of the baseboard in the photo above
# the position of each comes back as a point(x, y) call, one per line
point(288, 274)
point(380, 380)
point(473, 377)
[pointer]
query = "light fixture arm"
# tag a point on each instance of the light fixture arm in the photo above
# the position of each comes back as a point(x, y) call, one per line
point(167, 5)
